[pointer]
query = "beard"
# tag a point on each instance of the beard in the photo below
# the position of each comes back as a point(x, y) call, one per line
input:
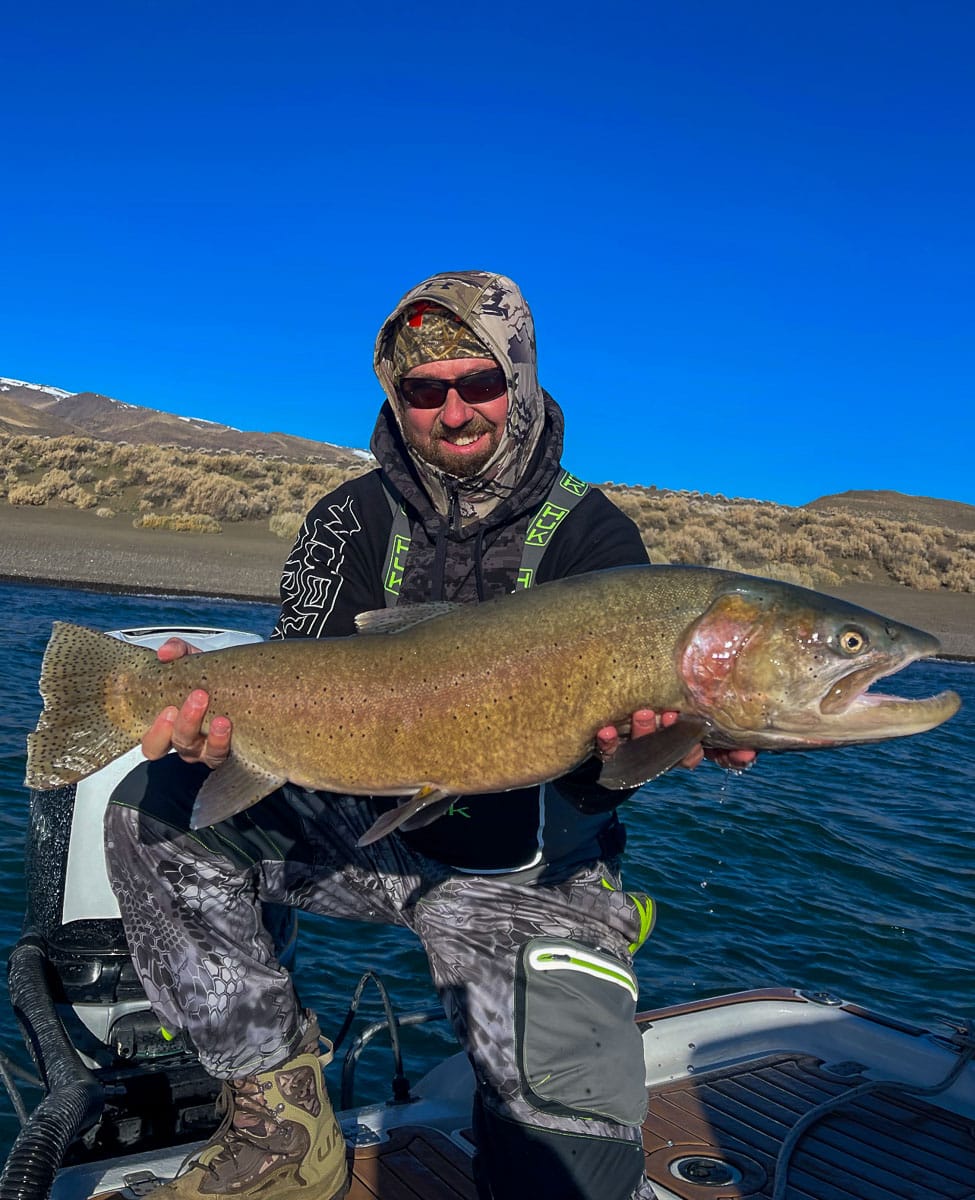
point(434, 448)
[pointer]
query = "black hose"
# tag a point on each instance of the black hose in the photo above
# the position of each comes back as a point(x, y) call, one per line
point(75, 1098)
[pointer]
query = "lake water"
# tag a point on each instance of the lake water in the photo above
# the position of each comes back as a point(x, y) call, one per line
point(850, 871)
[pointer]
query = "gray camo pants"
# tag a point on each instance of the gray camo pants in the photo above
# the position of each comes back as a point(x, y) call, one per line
point(535, 976)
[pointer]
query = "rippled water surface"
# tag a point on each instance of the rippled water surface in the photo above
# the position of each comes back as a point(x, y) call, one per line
point(850, 870)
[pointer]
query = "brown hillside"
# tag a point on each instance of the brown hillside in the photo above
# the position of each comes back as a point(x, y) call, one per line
point(16, 417)
point(94, 415)
point(896, 506)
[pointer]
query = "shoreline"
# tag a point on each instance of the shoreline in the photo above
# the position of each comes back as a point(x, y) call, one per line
point(119, 589)
point(69, 548)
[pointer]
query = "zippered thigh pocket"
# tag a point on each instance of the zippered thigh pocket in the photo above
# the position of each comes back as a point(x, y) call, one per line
point(579, 1049)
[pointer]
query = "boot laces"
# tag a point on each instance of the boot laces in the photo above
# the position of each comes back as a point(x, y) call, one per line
point(241, 1098)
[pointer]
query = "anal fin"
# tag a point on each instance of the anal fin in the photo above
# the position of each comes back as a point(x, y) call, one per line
point(420, 809)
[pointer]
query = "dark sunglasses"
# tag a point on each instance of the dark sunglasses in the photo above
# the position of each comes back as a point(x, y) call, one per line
point(476, 388)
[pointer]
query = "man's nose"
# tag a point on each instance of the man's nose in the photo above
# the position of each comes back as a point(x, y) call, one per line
point(455, 412)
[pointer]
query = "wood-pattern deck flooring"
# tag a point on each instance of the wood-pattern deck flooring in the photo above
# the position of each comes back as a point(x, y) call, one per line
point(879, 1147)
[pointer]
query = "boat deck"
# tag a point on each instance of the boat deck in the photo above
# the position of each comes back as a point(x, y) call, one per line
point(415, 1164)
point(879, 1146)
point(728, 1125)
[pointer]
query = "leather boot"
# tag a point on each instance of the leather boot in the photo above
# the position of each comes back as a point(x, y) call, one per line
point(279, 1137)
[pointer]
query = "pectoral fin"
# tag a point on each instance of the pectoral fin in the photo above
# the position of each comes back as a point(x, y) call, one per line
point(229, 789)
point(421, 809)
point(644, 758)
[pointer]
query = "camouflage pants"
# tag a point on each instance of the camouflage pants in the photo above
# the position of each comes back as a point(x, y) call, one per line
point(535, 976)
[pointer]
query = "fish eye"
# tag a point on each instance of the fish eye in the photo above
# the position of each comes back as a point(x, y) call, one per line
point(852, 641)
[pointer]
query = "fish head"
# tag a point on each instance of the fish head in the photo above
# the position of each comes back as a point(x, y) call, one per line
point(775, 666)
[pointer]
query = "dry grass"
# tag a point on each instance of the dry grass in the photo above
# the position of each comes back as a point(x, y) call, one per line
point(164, 487)
point(178, 522)
point(819, 547)
point(202, 488)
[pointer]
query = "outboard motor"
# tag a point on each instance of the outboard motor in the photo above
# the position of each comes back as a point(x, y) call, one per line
point(127, 1084)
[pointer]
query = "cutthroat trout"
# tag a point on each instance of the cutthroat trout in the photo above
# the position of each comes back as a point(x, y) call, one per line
point(432, 701)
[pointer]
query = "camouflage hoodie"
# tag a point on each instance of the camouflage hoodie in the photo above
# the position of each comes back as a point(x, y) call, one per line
point(493, 308)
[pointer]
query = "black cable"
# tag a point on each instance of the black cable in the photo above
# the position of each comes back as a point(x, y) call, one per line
point(816, 1114)
point(400, 1083)
point(387, 1006)
point(8, 1071)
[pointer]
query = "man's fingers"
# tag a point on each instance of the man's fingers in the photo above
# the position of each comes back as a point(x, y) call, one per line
point(181, 729)
point(693, 757)
point(733, 760)
point(158, 738)
point(173, 648)
point(647, 721)
point(217, 747)
point(607, 741)
point(643, 721)
point(188, 726)
point(742, 758)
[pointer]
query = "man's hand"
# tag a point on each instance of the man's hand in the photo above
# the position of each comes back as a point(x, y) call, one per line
point(646, 721)
point(181, 729)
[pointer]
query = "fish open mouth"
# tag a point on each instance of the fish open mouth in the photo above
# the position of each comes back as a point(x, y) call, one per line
point(850, 689)
point(850, 698)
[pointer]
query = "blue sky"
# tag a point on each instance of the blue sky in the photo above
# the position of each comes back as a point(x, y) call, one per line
point(745, 230)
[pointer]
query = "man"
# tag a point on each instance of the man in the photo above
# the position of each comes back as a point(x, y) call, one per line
point(469, 502)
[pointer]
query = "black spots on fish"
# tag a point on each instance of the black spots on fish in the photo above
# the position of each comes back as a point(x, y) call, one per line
point(583, 675)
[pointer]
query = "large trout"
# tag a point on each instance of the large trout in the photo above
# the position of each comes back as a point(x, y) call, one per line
point(436, 700)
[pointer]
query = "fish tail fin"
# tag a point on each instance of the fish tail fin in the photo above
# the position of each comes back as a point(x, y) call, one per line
point(76, 733)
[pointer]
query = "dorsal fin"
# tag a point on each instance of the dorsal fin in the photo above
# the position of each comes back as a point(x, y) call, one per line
point(395, 620)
